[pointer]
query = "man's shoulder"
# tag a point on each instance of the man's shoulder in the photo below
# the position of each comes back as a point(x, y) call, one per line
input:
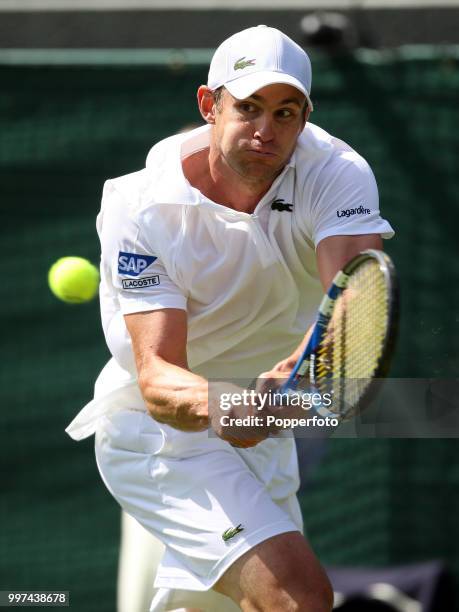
point(315, 138)
point(129, 187)
point(163, 152)
point(322, 154)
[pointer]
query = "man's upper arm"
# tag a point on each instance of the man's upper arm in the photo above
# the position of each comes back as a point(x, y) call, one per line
point(158, 334)
point(345, 202)
point(173, 395)
point(135, 275)
point(345, 217)
point(334, 252)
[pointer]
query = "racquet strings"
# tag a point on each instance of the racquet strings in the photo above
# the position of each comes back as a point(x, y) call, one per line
point(353, 344)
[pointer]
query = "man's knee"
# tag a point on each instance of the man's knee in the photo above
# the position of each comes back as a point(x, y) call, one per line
point(292, 590)
point(281, 573)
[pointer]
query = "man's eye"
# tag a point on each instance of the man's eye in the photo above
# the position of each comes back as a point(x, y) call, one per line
point(284, 113)
point(247, 108)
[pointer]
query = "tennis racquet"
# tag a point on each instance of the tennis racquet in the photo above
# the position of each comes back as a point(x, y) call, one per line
point(353, 339)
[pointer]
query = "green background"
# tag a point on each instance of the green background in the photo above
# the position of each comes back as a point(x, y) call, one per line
point(65, 128)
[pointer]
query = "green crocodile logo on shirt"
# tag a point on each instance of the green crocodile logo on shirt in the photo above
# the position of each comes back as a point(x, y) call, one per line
point(243, 63)
point(231, 532)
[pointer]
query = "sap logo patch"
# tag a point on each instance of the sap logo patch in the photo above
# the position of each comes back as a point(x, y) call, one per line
point(132, 264)
point(140, 283)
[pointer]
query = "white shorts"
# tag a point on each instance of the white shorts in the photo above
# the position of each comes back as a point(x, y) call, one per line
point(187, 489)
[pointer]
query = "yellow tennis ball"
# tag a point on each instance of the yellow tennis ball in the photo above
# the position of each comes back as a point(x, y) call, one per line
point(73, 279)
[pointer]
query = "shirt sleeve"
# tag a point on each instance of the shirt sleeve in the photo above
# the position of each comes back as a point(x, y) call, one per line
point(131, 266)
point(345, 201)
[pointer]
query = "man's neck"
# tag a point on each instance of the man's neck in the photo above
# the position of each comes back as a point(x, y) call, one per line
point(221, 184)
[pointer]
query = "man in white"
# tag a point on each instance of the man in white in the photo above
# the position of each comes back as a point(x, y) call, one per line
point(214, 259)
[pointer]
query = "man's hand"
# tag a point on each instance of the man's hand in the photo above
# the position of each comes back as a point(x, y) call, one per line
point(234, 415)
point(274, 378)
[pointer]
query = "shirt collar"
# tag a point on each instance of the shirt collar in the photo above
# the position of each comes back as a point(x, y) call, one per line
point(170, 185)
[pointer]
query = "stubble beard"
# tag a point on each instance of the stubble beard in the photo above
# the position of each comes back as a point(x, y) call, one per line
point(254, 172)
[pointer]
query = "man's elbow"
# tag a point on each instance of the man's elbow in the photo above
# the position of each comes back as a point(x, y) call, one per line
point(150, 389)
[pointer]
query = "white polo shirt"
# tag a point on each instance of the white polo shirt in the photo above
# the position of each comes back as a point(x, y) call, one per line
point(248, 282)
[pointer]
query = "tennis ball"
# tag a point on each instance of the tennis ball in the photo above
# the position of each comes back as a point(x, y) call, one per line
point(73, 279)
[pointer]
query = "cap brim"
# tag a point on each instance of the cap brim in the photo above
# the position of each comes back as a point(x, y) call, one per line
point(245, 86)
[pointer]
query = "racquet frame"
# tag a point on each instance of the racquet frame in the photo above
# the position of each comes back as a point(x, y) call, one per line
point(304, 368)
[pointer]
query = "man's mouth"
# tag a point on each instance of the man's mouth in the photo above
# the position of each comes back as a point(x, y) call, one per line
point(262, 152)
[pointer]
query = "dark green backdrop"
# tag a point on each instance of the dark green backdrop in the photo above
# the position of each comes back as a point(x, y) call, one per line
point(64, 129)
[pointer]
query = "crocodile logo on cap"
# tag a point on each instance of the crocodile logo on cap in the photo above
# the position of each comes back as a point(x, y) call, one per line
point(242, 63)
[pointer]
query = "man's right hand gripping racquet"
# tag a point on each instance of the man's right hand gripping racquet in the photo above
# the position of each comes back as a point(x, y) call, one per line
point(353, 339)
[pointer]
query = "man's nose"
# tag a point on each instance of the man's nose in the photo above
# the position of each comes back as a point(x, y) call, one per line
point(264, 129)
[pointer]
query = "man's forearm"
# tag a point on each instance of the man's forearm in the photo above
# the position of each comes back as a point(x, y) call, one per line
point(174, 395)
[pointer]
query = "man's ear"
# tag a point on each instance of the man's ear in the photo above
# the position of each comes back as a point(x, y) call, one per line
point(206, 104)
point(306, 118)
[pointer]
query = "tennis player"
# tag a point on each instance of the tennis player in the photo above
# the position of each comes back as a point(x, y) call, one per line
point(214, 259)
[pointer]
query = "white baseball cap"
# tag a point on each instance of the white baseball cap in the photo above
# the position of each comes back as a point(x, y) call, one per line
point(256, 57)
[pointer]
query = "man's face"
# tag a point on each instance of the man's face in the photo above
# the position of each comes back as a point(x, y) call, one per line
point(256, 136)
